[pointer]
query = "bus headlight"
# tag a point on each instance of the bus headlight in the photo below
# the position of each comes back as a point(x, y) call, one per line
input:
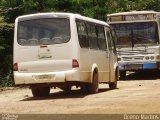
point(152, 57)
point(158, 57)
point(147, 57)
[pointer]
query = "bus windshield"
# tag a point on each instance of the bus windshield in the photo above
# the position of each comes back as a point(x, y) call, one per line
point(43, 31)
point(134, 34)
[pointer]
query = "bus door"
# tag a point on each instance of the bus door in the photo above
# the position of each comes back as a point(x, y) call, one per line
point(112, 52)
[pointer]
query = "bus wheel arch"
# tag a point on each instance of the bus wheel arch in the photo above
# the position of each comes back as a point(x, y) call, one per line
point(93, 86)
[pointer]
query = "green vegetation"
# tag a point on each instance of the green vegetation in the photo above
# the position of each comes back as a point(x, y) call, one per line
point(10, 9)
point(6, 48)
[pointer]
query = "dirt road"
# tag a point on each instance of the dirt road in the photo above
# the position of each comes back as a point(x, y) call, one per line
point(137, 94)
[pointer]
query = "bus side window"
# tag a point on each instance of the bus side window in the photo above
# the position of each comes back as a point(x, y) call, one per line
point(82, 34)
point(114, 39)
point(92, 35)
point(101, 38)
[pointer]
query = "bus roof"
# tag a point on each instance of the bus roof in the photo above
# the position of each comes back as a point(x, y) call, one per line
point(61, 15)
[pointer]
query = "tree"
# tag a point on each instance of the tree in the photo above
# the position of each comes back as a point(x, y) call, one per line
point(10, 9)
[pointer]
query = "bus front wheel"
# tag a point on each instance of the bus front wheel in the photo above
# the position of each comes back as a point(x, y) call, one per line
point(113, 85)
point(122, 74)
point(93, 87)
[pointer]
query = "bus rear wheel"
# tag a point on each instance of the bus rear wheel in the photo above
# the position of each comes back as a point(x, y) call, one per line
point(93, 87)
point(40, 91)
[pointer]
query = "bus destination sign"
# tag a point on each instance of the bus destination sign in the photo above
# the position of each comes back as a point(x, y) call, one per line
point(139, 17)
point(131, 17)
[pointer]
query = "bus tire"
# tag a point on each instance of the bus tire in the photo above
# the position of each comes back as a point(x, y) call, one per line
point(122, 74)
point(113, 85)
point(93, 87)
point(40, 91)
point(84, 88)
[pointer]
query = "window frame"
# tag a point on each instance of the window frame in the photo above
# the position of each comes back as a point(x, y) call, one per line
point(89, 36)
point(46, 28)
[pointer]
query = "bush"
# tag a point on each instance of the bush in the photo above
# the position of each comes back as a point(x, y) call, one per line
point(6, 56)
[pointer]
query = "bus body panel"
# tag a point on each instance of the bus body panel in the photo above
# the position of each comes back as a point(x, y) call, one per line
point(138, 39)
point(54, 60)
point(102, 61)
point(51, 61)
point(60, 63)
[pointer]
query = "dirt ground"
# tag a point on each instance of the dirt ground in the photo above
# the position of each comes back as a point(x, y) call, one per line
point(138, 94)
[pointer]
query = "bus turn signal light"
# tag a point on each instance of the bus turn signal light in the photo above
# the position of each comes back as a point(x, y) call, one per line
point(15, 67)
point(75, 63)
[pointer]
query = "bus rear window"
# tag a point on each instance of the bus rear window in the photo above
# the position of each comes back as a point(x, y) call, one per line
point(43, 31)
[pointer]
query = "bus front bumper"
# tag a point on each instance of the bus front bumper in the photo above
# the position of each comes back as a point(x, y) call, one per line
point(139, 66)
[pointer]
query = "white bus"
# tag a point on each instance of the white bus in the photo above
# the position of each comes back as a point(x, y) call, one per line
point(137, 43)
point(63, 50)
